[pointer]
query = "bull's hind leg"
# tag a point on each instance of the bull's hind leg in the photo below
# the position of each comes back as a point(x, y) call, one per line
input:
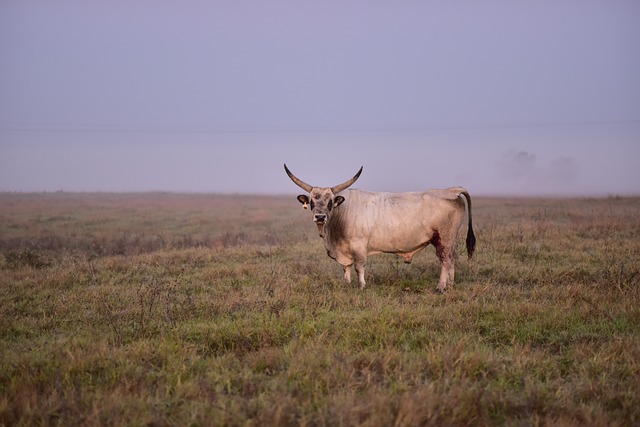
point(446, 255)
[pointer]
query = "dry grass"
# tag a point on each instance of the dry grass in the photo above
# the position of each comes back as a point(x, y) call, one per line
point(165, 309)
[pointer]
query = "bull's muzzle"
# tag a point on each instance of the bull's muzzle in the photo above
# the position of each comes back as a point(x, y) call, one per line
point(319, 218)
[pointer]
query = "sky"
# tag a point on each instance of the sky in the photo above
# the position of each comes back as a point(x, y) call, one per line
point(505, 98)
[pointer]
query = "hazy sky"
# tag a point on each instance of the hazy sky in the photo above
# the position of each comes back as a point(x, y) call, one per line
point(503, 97)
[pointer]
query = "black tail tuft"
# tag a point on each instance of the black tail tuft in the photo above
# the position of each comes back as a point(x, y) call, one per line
point(471, 241)
point(471, 238)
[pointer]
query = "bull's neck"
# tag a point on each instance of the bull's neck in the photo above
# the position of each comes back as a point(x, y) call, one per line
point(332, 231)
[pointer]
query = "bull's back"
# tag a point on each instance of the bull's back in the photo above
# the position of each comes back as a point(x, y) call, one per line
point(398, 222)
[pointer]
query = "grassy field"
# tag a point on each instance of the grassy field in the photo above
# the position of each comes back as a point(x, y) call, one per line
point(176, 309)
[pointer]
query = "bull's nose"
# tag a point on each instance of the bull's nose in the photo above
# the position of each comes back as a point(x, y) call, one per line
point(319, 217)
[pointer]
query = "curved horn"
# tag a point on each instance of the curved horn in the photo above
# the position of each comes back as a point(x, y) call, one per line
point(306, 187)
point(345, 185)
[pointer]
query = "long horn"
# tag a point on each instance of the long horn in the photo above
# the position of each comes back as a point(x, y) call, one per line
point(345, 185)
point(306, 187)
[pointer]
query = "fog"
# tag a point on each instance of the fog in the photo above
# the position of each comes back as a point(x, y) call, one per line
point(538, 98)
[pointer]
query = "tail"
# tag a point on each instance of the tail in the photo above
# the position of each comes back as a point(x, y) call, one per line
point(471, 238)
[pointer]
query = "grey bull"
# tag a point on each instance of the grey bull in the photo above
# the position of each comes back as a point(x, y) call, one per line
point(355, 224)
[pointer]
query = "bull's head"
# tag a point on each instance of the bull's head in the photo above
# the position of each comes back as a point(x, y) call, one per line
point(321, 200)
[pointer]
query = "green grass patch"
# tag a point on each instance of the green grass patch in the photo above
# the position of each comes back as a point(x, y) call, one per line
point(165, 309)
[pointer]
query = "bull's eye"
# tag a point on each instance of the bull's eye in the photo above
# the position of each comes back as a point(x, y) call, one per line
point(330, 206)
point(313, 205)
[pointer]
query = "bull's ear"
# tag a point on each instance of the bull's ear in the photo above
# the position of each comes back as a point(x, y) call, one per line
point(338, 201)
point(304, 199)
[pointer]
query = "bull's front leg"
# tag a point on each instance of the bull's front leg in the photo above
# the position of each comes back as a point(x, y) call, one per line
point(358, 260)
point(347, 273)
point(346, 260)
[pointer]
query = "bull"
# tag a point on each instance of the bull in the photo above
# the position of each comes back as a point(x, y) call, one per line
point(354, 224)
